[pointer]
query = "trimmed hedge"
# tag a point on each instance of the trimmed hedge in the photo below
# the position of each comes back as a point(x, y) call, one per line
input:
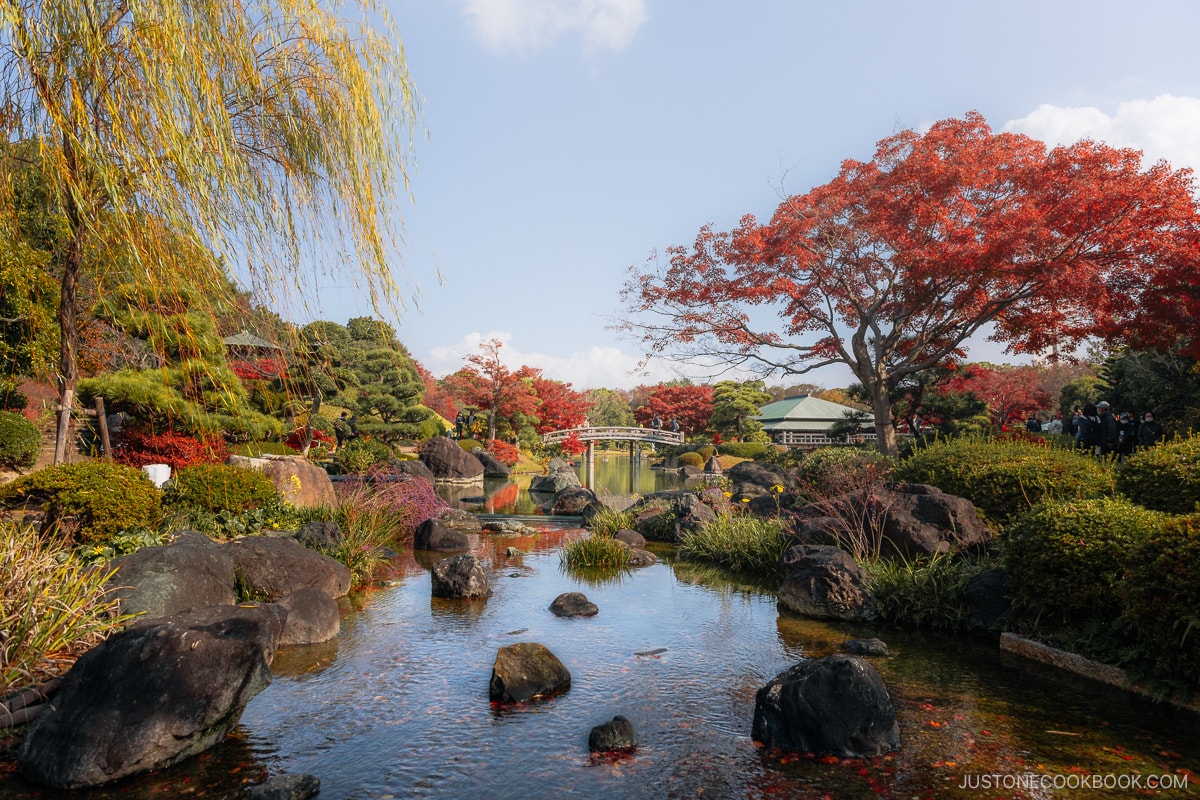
point(20, 441)
point(1005, 478)
point(1165, 477)
point(1066, 565)
point(90, 501)
point(1161, 595)
point(692, 459)
point(219, 487)
point(753, 451)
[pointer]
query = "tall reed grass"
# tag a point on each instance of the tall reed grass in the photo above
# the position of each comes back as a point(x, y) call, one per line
point(51, 610)
point(740, 543)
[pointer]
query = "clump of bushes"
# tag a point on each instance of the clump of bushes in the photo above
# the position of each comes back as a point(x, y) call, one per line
point(740, 543)
point(357, 456)
point(691, 459)
point(607, 521)
point(405, 501)
point(1066, 563)
point(925, 592)
point(89, 501)
point(51, 610)
point(1005, 478)
point(20, 441)
point(218, 487)
point(753, 451)
point(1165, 477)
point(832, 471)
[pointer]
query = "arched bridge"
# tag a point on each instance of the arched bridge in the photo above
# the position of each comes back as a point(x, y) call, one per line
point(593, 434)
point(614, 434)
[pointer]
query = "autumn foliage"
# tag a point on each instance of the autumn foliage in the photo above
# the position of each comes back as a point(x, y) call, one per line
point(691, 405)
point(1012, 394)
point(891, 266)
point(139, 447)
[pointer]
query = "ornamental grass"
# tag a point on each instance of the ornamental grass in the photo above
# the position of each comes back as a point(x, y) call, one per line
point(740, 543)
point(51, 611)
point(598, 551)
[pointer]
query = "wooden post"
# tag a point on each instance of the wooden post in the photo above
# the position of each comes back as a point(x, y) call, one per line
point(590, 475)
point(102, 423)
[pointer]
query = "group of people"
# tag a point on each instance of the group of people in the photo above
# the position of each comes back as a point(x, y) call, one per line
point(463, 422)
point(656, 423)
point(1097, 428)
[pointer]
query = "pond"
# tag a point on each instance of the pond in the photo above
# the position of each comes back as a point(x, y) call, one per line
point(615, 475)
point(397, 706)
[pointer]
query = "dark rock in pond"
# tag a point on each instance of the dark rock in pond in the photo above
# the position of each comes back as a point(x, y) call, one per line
point(433, 534)
point(460, 576)
point(152, 695)
point(460, 520)
point(663, 516)
point(616, 735)
point(573, 604)
point(571, 502)
point(191, 570)
point(641, 558)
point(560, 475)
point(322, 536)
point(450, 463)
point(312, 617)
point(836, 705)
point(526, 671)
point(866, 647)
point(274, 568)
point(689, 471)
point(513, 552)
point(825, 583)
point(914, 519)
point(988, 602)
point(508, 527)
point(753, 478)
point(412, 466)
point(492, 466)
point(630, 538)
point(284, 787)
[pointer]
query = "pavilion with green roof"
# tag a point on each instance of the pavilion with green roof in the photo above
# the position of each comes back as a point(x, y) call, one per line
point(803, 421)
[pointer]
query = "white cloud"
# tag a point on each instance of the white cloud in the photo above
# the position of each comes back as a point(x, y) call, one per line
point(1165, 128)
point(525, 25)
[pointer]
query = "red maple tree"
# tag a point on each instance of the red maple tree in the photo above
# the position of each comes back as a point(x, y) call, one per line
point(690, 405)
point(1012, 394)
point(891, 266)
point(488, 384)
point(559, 406)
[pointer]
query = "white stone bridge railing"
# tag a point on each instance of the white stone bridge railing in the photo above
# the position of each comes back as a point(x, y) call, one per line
point(614, 434)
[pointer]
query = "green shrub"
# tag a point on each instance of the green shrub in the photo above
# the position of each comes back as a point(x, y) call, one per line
point(754, 451)
point(20, 441)
point(1066, 562)
point(608, 521)
point(91, 500)
point(1165, 477)
point(706, 452)
point(1004, 478)
point(743, 544)
point(925, 592)
point(357, 456)
point(832, 471)
point(1161, 595)
point(219, 487)
point(691, 460)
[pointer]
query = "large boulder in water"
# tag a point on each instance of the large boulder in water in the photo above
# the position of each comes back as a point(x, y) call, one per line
point(273, 568)
point(450, 463)
point(461, 576)
point(191, 570)
point(560, 476)
point(433, 534)
point(526, 671)
point(152, 695)
point(492, 466)
point(836, 705)
point(824, 582)
point(663, 516)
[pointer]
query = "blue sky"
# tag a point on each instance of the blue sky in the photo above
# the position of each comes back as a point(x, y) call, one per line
point(570, 139)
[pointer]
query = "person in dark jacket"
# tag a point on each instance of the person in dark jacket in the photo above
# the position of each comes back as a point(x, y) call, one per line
point(1149, 432)
point(1110, 434)
point(1126, 435)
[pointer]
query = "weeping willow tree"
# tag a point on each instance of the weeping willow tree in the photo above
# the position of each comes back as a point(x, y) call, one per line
point(274, 133)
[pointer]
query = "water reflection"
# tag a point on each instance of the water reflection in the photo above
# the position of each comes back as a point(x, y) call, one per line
point(400, 707)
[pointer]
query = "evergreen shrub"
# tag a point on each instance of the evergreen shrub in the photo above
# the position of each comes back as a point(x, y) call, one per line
point(1004, 478)
point(358, 455)
point(832, 471)
point(89, 501)
point(20, 441)
point(219, 487)
point(753, 451)
point(691, 459)
point(1161, 594)
point(1165, 477)
point(1066, 563)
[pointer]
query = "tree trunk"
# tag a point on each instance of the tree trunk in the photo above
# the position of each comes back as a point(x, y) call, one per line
point(68, 361)
point(885, 431)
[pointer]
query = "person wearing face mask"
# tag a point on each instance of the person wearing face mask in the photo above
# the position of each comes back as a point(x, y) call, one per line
point(1149, 432)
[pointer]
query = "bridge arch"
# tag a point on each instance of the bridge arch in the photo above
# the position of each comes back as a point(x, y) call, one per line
point(608, 433)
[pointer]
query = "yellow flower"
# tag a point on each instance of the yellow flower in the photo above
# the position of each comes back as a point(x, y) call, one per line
point(777, 489)
point(745, 499)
